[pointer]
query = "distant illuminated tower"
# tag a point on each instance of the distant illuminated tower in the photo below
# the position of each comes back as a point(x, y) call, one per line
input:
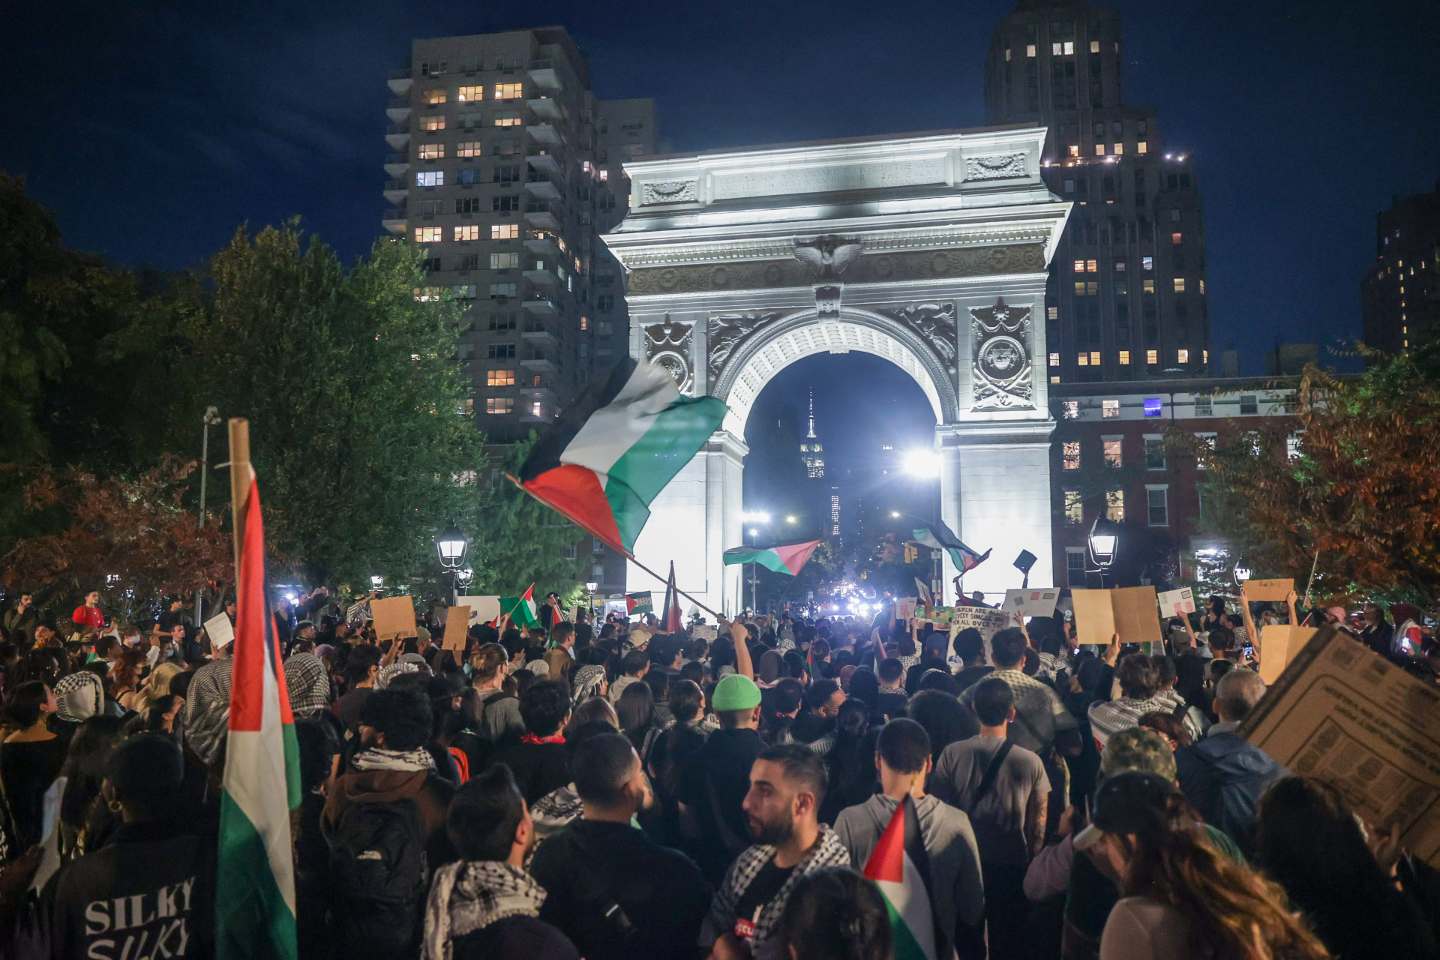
point(811, 450)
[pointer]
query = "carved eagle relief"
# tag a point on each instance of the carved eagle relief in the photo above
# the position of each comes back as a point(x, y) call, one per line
point(828, 256)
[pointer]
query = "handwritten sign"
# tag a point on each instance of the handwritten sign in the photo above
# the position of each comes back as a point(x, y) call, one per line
point(1262, 591)
point(1031, 603)
point(1130, 612)
point(1177, 603)
point(394, 617)
point(220, 631)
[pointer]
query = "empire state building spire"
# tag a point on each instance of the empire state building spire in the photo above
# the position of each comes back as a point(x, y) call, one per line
point(811, 451)
point(810, 434)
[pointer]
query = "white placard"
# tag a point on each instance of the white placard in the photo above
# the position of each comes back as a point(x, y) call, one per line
point(482, 609)
point(1176, 603)
point(1031, 603)
point(220, 630)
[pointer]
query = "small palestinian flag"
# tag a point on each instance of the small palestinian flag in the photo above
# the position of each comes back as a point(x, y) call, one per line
point(900, 867)
point(788, 559)
point(670, 620)
point(521, 609)
point(637, 603)
point(937, 536)
point(616, 447)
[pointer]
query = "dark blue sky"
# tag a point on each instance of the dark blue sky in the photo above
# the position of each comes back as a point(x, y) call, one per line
point(152, 129)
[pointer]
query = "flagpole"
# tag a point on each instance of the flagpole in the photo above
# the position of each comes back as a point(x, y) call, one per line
point(240, 474)
point(586, 527)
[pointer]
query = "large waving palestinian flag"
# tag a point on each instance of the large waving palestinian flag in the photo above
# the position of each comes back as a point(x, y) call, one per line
point(937, 536)
point(616, 447)
point(789, 558)
point(255, 894)
point(901, 869)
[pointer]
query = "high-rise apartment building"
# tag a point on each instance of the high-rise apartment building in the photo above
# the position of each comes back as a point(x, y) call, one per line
point(1401, 291)
point(506, 169)
point(1126, 295)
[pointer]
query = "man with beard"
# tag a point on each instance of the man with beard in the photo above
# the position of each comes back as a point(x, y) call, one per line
point(787, 786)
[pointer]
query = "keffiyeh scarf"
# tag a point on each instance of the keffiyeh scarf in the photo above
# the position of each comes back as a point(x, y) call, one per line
point(408, 761)
point(308, 684)
point(79, 697)
point(587, 682)
point(471, 895)
point(398, 668)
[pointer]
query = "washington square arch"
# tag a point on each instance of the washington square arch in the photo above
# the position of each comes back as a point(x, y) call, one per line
point(928, 250)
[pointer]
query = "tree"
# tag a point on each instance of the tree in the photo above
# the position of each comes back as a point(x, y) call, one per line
point(132, 538)
point(1358, 490)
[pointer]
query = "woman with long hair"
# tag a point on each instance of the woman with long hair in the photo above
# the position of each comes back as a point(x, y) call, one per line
point(945, 719)
point(1182, 897)
point(636, 710)
point(850, 764)
point(1310, 842)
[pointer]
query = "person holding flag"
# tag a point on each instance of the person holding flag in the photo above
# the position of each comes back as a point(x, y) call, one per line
point(919, 851)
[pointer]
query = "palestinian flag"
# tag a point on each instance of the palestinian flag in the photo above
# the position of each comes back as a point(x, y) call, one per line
point(636, 603)
point(670, 620)
point(937, 536)
point(521, 610)
point(255, 895)
point(616, 447)
point(900, 867)
point(788, 559)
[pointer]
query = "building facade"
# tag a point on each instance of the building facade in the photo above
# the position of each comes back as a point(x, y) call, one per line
point(1126, 293)
point(1401, 290)
point(506, 169)
point(1115, 454)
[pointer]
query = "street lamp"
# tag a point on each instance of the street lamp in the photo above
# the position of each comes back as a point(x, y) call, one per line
point(450, 546)
point(791, 519)
point(1104, 544)
point(1242, 572)
point(590, 587)
point(894, 514)
point(376, 583)
point(207, 420)
point(757, 519)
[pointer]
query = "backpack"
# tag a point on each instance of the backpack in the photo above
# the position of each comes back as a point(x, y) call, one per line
point(379, 875)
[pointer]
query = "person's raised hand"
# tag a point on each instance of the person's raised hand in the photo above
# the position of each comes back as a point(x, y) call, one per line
point(1112, 652)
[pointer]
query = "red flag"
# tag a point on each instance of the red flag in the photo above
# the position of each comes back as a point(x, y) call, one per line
point(670, 620)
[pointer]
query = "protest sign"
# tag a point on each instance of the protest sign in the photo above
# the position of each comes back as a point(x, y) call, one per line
point(905, 608)
point(1353, 719)
point(1262, 591)
point(1031, 603)
point(457, 623)
point(482, 609)
point(1130, 612)
point(1279, 643)
point(220, 630)
point(394, 617)
point(705, 631)
point(1177, 603)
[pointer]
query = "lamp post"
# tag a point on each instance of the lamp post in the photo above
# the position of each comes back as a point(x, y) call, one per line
point(450, 546)
point(1242, 572)
point(207, 420)
point(756, 519)
point(1104, 543)
point(590, 587)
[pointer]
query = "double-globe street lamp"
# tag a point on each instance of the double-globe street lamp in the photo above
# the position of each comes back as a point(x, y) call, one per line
point(451, 546)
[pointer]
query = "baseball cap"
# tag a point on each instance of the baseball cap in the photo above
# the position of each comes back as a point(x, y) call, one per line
point(1138, 748)
point(1131, 801)
point(735, 692)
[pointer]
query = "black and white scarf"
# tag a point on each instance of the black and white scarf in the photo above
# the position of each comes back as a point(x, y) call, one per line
point(470, 895)
point(407, 761)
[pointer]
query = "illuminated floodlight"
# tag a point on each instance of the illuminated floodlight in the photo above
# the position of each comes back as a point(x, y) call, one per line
point(922, 464)
point(755, 516)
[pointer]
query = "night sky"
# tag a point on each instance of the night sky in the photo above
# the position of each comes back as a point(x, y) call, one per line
point(153, 129)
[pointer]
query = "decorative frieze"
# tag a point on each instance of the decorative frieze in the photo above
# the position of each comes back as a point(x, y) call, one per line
point(999, 166)
point(1001, 350)
point(668, 344)
point(669, 191)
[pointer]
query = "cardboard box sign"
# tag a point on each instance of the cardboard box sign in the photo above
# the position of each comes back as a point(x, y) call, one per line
point(457, 624)
point(1131, 612)
point(1266, 591)
point(1175, 603)
point(1355, 720)
point(394, 618)
point(1279, 643)
point(1031, 603)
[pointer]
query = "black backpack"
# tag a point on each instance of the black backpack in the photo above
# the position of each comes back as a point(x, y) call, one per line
point(379, 875)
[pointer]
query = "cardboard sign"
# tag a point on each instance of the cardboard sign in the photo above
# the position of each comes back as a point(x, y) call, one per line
point(905, 608)
point(482, 609)
point(1262, 591)
point(394, 617)
point(220, 631)
point(1177, 603)
point(1279, 643)
point(1344, 715)
point(1131, 612)
point(1031, 603)
point(457, 624)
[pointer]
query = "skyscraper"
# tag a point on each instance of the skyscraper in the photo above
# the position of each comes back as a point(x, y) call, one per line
point(811, 450)
point(1401, 291)
point(1126, 295)
point(506, 169)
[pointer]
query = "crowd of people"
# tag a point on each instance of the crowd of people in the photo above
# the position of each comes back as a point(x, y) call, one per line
point(608, 790)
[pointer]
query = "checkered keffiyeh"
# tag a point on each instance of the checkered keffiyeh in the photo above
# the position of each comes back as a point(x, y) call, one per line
point(827, 852)
point(471, 895)
point(1039, 712)
point(207, 710)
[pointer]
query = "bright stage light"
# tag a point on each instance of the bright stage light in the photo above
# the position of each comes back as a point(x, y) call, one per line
point(923, 464)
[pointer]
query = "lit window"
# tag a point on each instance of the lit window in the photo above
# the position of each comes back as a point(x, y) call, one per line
point(1124, 358)
point(1114, 454)
point(432, 124)
point(1099, 149)
point(470, 93)
point(1079, 266)
point(1054, 359)
point(1109, 409)
point(1179, 284)
point(431, 151)
point(1083, 359)
point(1052, 313)
point(1292, 446)
point(466, 231)
point(1094, 358)
point(428, 294)
point(1007, 54)
point(1073, 149)
point(1202, 286)
point(1147, 285)
point(1054, 379)
point(1182, 355)
point(1147, 263)
point(430, 178)
point(504, 261)
point(1092, 265)
point(1142, 147)
point(1152, 357)
point(499, 404)
point(500, 378)
point(1070, 455)
point(1158, 507)
point(1154, 453)
point(467, 148)
point(1074, 508)
point(1115, 506)
point(1094, 46)
point(584, 323)
point(428, 234)
point(1118, 149)
point(1071, 409)
point(537, 409)
point(504, 231)
point(434, 96)
point(1029, 49)
point(1119, 266)
point(604, 176)
point(507, 120)
point(1154, 407)
point(509, 91)
point(1176, 239)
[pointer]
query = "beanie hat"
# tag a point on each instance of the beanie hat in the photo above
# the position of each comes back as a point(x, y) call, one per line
point(1140, 749)
point(735, 692)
